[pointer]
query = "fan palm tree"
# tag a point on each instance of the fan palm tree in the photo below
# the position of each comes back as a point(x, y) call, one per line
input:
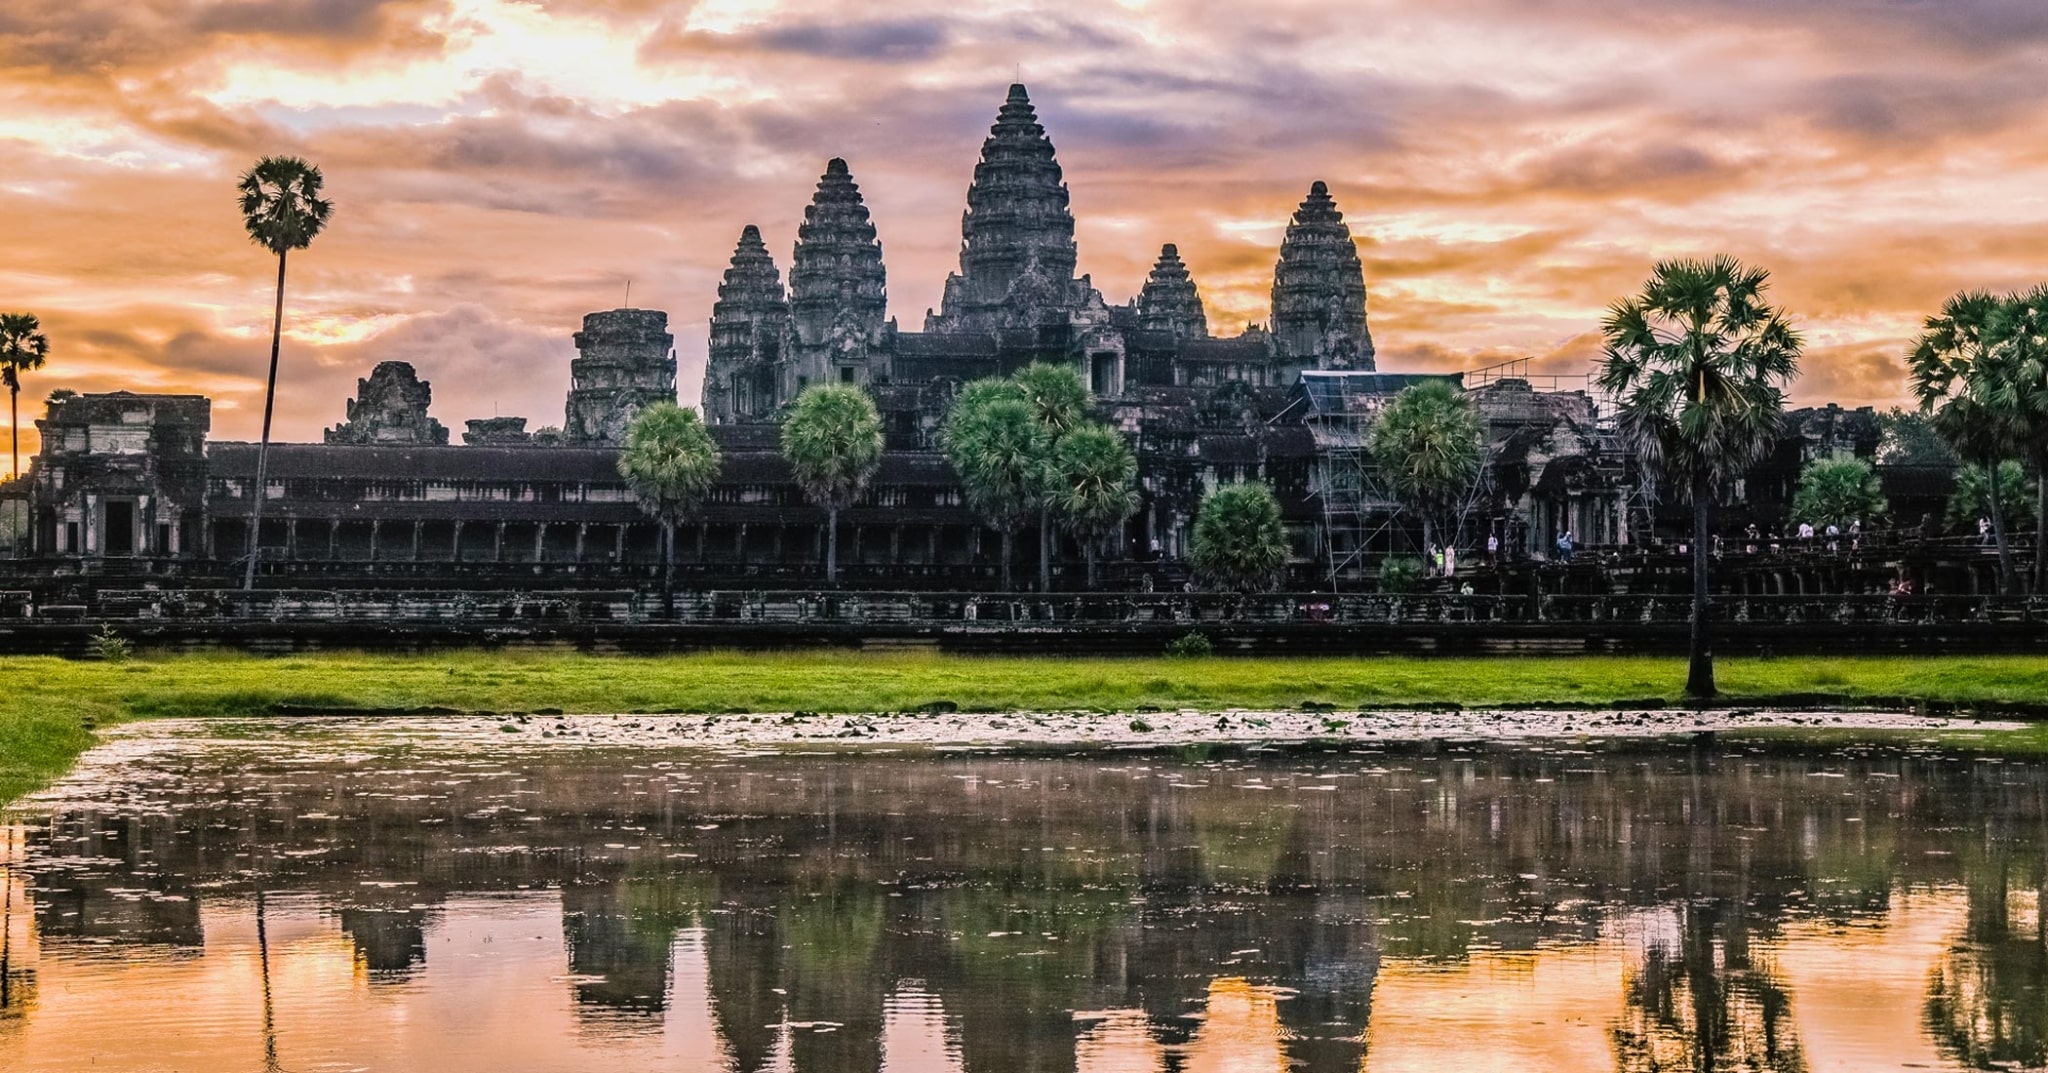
point(283, 211)
point(1961, 372)
point(998, 448)
point(22, 349)
point(2022, 392)
point(670, 462)
point(1093, 486)
point(1699, 364)
point(1060, 399)
point(1428, 446)
point(1239, 541)
point(833, 440)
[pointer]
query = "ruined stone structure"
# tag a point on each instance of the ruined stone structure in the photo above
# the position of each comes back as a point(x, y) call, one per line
point(625, 360)
point(121, 474)
point(390, 407)
point(1169, 303)
point(749, 328)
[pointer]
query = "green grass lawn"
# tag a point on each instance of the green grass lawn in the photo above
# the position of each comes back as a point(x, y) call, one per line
point(51, 705)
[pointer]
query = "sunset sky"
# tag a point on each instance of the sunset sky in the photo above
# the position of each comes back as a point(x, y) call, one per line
point(500, 168)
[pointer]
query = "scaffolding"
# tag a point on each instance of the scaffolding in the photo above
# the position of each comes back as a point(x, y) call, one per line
point(1359, 512)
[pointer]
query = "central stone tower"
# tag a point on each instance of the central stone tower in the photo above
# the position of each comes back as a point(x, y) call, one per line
point(748, 325)
point(625, 361)
point(1017, 251)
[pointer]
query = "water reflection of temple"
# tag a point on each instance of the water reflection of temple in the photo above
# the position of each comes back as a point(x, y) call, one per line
point(1123, 912)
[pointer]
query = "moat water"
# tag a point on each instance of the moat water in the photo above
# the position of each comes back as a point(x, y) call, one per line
point(326, 895)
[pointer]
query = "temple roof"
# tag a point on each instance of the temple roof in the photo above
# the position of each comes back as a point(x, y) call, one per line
point(1319, 288)
point(1169, 301)
point(752, 282)
point(837, 261)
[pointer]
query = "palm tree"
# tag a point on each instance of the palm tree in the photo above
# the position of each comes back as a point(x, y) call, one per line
point(998, 447)
point(1060, 399)
point(2023, 393)
point(833, 440)
point(1961, 374)
point(1093, 486)
point(1837, 491)
point(283, 211)
point(22, 349)
point(670, 462)
point(1428, 446)
point(1239, 541)
point(1699, 364)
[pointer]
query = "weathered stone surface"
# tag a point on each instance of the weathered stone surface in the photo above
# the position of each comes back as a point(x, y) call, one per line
point(1017, 251)
point(748, 326)
point(838, 289)
point(1319, 290)
point(496, 432)
point(390, 407)
point(625, 361)
point(1169, 301)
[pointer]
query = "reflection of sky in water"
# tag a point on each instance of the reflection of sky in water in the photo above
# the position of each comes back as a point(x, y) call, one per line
point(1542, 909)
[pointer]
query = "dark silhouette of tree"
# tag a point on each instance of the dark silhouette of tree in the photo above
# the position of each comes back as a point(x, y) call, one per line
point(23, 346)
point(1699, 363)
point(1239, 542)
point(283, 211)
point(670, 463)
point(999, 449)
point(833, 440)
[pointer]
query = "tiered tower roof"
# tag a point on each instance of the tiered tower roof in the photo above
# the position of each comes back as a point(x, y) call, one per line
point(1169, 301)
point(1017, 227)
point(1319, 288)
point(752, 285)
point(837, 265)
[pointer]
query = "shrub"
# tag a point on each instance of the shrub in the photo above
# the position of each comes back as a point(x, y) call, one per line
point(1400, 575)
point(110, 646)
point(1193, 644)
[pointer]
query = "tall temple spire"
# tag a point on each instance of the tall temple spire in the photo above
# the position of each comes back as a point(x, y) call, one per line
point(1169, 301)
point(1319, 289)
point(747, 325)
point(1017, 251)
point(838, 289)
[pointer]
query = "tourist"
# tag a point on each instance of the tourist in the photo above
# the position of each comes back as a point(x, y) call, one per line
point(1984, 531)
point(1450, 560)
point(1436, 560)
point(1806, 532)
point(1564, 546)
point(1493, 550)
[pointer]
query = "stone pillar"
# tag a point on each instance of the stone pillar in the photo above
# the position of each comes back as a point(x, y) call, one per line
point(333, 538)
point(498, 542)
point(540, 540)
point(416, 541)
point(291, 539)
point(619, 543)
point(455, 545)
point(739, 543)
point(582, 532)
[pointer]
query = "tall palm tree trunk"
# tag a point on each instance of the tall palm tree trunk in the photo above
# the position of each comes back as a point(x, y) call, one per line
point(1699, 675)
point(1044, 549)
point(1008, 542)
point(668, 569)
point(261, 489)
point(832, 546)
point(14, 422)
point(2040, 587)
point(2006, 573)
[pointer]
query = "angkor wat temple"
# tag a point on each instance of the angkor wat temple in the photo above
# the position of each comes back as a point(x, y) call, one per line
point(130, 484)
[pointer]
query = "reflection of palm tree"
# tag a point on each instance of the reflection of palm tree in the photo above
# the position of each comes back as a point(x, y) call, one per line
point(1705, 1005)
point(1984, 998)
point(269, 1019)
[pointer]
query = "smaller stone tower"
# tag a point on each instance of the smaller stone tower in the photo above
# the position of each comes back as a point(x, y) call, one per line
point(747, 328)
point(838, 290)
point(625, 361)
point(1169, 302)
point(1319, 291)
point(390, 407)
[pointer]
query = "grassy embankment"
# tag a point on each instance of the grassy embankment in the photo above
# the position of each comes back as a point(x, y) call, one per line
point(52, 705)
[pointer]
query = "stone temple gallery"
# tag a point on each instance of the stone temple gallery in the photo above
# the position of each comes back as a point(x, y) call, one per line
point(129, 484)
